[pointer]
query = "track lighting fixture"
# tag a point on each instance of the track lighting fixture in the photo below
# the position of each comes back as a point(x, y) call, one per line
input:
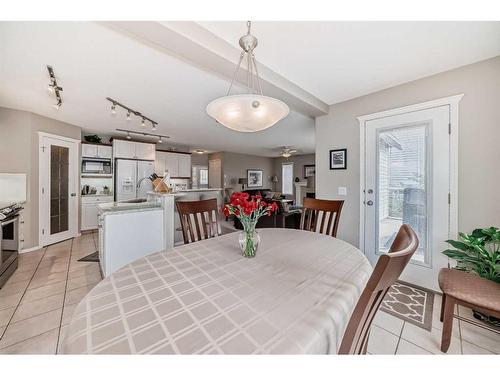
point(54, 88)
point(199, 151)
point(160, 137)
point(131, 112)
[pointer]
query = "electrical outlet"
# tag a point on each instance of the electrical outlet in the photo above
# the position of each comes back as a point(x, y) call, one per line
point(342, 190)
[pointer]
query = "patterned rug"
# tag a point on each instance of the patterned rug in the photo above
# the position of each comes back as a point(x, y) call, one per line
point(411, 303)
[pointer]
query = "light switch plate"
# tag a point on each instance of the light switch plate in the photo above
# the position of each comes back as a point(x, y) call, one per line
point(342, 190)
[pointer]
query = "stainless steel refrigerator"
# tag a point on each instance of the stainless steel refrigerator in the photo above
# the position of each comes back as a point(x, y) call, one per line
point(131, 179)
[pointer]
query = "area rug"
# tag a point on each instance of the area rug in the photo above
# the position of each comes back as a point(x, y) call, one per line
point(411, 303)
point(94, 257)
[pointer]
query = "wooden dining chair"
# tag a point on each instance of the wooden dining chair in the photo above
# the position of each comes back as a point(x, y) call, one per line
point(199, 219)
point(387, 270)
point(318, 212)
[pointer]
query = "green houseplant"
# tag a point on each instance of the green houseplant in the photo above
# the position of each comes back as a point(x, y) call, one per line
point(478, 253)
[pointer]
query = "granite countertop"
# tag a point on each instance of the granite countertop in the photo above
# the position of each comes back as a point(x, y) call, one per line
point(116, 207)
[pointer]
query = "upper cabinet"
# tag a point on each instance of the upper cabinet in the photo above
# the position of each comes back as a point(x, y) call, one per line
point(177, 165)
point(96, 151)
point(133, 150)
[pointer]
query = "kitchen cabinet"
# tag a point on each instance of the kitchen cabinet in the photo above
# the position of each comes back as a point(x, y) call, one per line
point(89, 210)
point(184, 165)
point(133, 150)
point(96, 151)
point(178, 165)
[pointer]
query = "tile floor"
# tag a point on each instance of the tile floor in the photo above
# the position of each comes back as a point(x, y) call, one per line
point(37, 302)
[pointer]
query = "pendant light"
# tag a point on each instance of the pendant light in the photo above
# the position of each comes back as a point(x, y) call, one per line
point(253, 111)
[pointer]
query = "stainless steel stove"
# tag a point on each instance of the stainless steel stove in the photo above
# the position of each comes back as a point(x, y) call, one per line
point(9, 236)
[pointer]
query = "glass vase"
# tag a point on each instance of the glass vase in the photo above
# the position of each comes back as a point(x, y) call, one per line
point(249, 241)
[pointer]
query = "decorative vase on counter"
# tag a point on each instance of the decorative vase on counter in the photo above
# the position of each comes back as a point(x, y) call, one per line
point(248, 209)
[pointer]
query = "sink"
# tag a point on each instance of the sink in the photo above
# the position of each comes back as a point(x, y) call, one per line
point(135, 200)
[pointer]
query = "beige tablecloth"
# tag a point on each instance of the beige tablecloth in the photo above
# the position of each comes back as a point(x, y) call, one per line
point(295, 296)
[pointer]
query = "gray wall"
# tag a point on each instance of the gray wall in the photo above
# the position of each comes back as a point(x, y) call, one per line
point(19, 154)
point(298, 167)
point(479, 136)
point(235, 166)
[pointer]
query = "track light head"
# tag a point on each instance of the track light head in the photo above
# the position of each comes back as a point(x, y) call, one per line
point(113, 109)
point(143, 122)
point(160, 140)
point(128, 116)
point(154, 127)
point(128, 136)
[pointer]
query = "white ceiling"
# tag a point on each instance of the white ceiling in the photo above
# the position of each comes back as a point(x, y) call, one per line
point(93, 62)
point(332, 60)
point(337, 61)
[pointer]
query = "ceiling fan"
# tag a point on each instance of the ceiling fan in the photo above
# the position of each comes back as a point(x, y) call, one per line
point(288, 151)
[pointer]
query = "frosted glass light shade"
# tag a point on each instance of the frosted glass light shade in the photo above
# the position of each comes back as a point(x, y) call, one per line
point(247, 112)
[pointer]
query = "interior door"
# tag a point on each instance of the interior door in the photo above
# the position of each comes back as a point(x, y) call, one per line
point(407, 181)
point(125, 179)
point(58, 177)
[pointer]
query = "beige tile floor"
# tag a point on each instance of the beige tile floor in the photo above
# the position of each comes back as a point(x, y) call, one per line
point(37, 302)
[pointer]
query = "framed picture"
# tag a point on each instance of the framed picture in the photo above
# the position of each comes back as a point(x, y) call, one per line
point(254, 177)
point(338, 159)
point(309, 170)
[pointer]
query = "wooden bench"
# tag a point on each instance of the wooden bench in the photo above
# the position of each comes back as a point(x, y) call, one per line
point(468, 290)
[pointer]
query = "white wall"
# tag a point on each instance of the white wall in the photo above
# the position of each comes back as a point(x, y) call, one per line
point(479, 140)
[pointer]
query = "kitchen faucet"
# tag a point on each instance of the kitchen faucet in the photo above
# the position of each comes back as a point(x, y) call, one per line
point(140, 181)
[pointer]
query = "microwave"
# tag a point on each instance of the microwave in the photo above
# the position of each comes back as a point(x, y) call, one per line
point(96, 166)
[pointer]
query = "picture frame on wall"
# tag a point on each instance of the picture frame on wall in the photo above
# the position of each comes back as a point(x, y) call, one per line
point(309, 170)
point(255, 178)
point(338, 159)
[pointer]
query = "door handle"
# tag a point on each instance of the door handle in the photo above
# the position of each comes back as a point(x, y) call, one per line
point(369, 203)
point(73, 194)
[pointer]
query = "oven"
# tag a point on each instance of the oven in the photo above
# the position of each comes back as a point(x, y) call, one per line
point(9, 241)
point(91, 166)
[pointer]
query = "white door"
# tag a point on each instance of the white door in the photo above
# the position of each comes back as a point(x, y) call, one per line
point(89, 151)
point(160, 163)
point(125, 179)
point(105, 152)
point(215, 174)
point(144, 170)
point(58, 180)
point(407, 181)
point(144, 151)
point(124, 149)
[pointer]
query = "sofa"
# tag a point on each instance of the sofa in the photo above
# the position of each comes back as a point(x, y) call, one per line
point(279, 218)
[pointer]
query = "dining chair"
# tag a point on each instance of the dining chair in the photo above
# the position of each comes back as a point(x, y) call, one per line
point(318, 212)
point(199, 219)
point(387, 270)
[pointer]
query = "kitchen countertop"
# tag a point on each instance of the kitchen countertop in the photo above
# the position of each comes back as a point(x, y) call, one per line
point(117, 207)
point(207, 189)
point(96, 195)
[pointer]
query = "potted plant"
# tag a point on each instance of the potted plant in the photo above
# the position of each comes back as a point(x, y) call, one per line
point(478, 253)
point(248, 209)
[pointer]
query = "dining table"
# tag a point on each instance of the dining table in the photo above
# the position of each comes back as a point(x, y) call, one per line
point(295, 296)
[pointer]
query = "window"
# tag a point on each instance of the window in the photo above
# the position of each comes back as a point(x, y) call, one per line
point(287, 178)
point(203, 176)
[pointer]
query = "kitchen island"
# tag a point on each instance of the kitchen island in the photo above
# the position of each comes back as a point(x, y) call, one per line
point(131, 230)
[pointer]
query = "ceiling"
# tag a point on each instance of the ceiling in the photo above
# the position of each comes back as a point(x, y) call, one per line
point(321, 61)
point(337, 61)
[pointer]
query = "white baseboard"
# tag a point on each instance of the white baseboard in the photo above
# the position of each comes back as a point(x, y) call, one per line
point(34, 248)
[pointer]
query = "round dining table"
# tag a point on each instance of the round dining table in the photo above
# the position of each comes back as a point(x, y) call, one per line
point(295, 297)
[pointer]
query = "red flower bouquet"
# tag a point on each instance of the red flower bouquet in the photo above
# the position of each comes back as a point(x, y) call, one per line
point(248, 209)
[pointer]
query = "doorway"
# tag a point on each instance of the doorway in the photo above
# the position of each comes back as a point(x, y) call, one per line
point(409, 177)
point(58, 188)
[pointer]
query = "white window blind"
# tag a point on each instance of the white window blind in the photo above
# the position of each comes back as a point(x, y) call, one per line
point(287, 178)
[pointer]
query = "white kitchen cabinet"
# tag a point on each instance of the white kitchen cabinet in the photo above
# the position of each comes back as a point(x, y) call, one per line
point(184, 165)
point(133, 150)
point(89, 210)
point(89, 151)
point(145, 151)
point(104, 152)
point(172, 164)
point(160, 163)
point(96, 151)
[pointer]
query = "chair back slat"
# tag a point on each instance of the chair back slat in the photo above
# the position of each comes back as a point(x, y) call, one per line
point(315, 212)
point(387, 270)
point(199, 219)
